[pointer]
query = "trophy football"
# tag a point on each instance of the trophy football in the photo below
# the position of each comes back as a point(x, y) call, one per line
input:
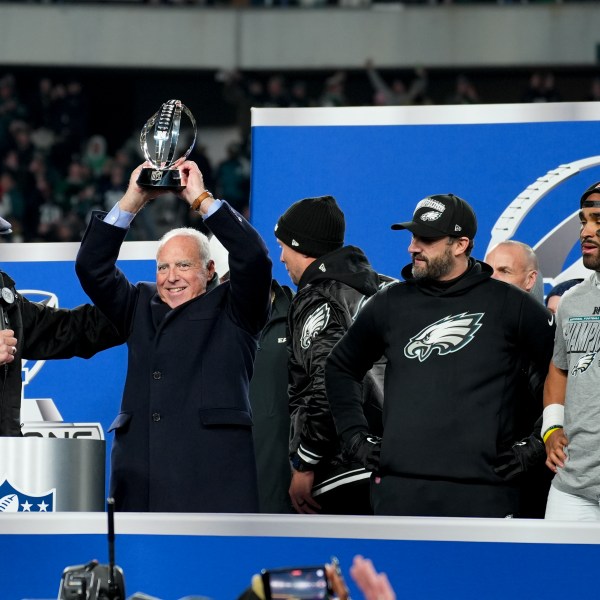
point(166, 125)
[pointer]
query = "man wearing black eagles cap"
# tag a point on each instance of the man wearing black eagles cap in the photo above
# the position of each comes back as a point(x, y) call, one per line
point(333, 282)
point(455, 340)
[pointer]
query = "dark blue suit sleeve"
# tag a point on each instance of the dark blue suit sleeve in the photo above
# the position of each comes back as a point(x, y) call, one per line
point(103, 282)
point(249, 268)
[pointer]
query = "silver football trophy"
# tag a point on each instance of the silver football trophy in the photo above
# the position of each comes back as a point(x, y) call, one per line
point(166, 124)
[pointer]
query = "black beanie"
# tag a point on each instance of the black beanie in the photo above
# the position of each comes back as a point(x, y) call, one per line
point(312, 226)
point(593, 189)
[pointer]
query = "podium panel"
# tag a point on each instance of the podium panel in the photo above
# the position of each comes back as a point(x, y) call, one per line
point(51, 475)
point(177, 556)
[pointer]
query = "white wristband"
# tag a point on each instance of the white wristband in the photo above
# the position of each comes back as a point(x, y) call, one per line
point(553, 416)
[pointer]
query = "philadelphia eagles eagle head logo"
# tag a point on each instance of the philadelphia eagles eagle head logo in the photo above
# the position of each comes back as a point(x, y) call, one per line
point(583, 363)
point(314, 324)
point(431, 215)
point(445, 336)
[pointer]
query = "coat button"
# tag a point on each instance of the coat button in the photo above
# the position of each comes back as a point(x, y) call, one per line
point(156, 417)
point(157, 374)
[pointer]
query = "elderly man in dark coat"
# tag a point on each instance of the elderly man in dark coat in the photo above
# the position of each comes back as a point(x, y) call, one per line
point(183, 438)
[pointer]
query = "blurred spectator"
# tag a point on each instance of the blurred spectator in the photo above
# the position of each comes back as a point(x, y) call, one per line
point(44, 181)
point(95, 157)
point(21, 149)
point(80, 195)
point(67, 120)
point(242, 94)
point(233, 179)
point(276, 95)
point(11, 198)
point(78, 177)
point(76, 113)
point(40, 103)
point(44, 129)
point(57, 118)
point(541, 88)
point(334, 90)
point(199, 155)
point(396, 94)
point(130, 153)
point(594, 91)
point(125, 159)
point(465, 92)
point(51, 216)
point(112, 186)
point(11, 108)
point(299, 95)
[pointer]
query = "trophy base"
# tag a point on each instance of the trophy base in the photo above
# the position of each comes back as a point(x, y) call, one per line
point(167, 180)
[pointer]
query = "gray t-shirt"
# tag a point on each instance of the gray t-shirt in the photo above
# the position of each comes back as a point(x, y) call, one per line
point(577, 351)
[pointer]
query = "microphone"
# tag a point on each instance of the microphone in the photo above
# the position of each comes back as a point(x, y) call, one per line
point(115, 592)
point(94, 581)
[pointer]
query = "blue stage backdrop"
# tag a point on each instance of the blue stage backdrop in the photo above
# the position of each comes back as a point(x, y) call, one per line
point(523, 168)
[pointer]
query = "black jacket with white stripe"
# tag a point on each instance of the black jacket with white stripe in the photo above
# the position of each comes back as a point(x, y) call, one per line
point(331, 292)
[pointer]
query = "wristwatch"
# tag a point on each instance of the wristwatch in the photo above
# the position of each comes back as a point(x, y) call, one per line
point(298, 464)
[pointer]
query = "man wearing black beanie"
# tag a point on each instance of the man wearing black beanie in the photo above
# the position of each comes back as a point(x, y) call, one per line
point(333, 282)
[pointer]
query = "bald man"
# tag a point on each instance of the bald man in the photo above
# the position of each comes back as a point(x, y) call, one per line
point(515, 263)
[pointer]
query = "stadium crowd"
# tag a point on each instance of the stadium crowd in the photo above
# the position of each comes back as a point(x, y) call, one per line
point(55, 169)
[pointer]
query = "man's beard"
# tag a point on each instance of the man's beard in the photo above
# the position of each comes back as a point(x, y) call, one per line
point(435, 268)
point(591, 262)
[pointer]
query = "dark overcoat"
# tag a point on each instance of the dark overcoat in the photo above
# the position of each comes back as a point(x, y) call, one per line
point(183, 438)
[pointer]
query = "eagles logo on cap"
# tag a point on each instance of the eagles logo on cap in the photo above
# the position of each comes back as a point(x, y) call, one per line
point(441, 215)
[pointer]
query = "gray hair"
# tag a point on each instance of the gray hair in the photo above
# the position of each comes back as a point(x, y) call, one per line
point(190, 232)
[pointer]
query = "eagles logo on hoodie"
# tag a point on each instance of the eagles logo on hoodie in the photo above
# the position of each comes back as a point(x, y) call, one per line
point(445, 336)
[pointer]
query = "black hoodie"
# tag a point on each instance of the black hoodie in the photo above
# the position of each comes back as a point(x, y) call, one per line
point(455, 353)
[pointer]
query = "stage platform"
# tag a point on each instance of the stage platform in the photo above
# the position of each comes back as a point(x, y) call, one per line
point(170, 556)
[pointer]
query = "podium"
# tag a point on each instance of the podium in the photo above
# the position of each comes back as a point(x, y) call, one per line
point(51, 474)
